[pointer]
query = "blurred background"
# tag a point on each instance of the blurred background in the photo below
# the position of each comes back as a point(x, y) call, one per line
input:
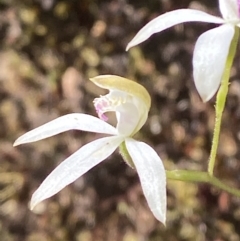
point(48, 51)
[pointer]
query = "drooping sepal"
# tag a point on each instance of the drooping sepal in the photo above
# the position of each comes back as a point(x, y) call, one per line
point(152, 176)
point(209, 59)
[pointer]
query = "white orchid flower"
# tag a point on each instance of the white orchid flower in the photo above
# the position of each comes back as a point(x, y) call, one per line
point(131, 102)
point(212, 47)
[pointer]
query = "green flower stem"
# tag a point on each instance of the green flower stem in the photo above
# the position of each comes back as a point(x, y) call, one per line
point(220, 101)
point(195, 176)
point(185, 175)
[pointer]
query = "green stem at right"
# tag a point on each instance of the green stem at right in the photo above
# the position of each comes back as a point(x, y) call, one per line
point(221, 100)
point(204, 177)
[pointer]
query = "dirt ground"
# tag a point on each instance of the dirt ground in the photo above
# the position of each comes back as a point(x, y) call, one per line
point(48, 51)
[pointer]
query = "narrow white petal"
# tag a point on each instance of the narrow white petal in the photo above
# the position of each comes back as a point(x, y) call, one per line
point(209, 58)
point(152, 176)
point(170, 19)
point(229, 9)
point(74, 121)
point(75, 166)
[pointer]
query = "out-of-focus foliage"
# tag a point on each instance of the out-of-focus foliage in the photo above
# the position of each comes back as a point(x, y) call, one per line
point(48, 51)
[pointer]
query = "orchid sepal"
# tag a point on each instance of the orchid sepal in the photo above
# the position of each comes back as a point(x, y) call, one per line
point(74, 121)
point(152, 176)
point(169, 19)
point(209, 59)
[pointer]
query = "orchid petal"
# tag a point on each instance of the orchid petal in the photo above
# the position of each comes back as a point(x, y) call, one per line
point(128, 117)
point(209, 59)
point(170, 19)
point(75, 166)
point(152, 176)
point(229, 9)
point(73, 121)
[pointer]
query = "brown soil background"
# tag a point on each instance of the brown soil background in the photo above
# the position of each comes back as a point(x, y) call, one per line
point(48, 50)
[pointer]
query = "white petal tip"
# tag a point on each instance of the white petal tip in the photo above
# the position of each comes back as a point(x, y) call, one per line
point(161, 217)
point(163, 222)
point(132, 43)
point(33, 203)
point(20, 141)
point(16, 143)
point(206, 98)
point(128, 47)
